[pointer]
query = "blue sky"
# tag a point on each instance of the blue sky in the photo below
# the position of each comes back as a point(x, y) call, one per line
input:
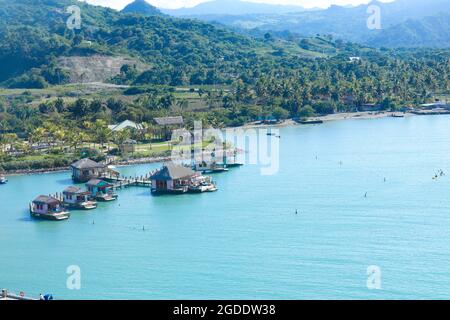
point(119, 4)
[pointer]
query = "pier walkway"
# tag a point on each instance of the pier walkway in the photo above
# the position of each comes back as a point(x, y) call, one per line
point(120, 182)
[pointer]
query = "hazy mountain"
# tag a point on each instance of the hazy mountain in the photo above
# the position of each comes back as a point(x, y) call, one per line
point(431, 31)
point(350, 23)
point(233, 7)
point(142, 7)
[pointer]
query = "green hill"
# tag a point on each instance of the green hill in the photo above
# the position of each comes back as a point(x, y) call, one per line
point(141, 7)
point(34, 37)
point(34, 33)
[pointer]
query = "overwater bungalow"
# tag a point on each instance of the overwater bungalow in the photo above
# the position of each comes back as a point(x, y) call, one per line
point(173, 179)
point(101, 190)
point(48, 208)
point(77, 198)
point(87, 169)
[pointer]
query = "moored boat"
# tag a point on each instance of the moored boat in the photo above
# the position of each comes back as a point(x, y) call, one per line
point(3, 180)
point(106, 197)
point(202, 184)
point(235, 165)
point(310, 121)
point(213, 167)
point(48, 208)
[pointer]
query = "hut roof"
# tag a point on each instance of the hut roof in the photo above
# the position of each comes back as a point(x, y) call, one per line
point(168, 121)
point(46, 200)
point(74, 190)
point(97, 182)
point(173, 172)
point(86, 164)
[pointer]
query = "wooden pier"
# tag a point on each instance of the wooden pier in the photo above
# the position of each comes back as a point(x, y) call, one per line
point(120, 182)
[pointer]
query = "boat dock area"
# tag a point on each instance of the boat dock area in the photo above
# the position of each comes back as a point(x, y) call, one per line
point(120, 182)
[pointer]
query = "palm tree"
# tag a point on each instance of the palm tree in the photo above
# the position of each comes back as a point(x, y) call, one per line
point(183, 104)
point(38, 135)
point(102, 132)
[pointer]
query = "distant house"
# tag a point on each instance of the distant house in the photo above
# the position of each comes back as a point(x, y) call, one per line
point(435, 105)
point(46, 204)
point(86, 169)
point(128, 146)
point(98, 187)
point(74, 195)
point(127, 124)
point(168, 124)
point(172, 179)
point(169, 121)
point(368, 107)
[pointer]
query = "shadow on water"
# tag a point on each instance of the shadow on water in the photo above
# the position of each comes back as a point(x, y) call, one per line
point(144, 194)
point(64, 182)
point(26, 219)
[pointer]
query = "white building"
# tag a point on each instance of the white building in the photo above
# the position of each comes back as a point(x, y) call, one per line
point(127, 124)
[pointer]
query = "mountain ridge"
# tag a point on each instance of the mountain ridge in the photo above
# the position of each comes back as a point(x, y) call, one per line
point(347, 23)
point(232, 7)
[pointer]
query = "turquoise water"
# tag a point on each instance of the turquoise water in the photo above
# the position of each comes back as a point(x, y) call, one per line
point(245, 241)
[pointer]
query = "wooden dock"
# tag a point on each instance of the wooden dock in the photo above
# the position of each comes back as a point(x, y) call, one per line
point(120, 182)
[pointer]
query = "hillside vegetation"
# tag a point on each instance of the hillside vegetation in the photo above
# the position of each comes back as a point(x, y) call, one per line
point(230, 79)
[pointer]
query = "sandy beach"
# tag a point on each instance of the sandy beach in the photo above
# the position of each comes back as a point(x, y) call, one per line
point(329, 117)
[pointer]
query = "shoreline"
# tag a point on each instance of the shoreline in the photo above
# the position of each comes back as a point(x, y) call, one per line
point(328, 118)
point(253, 125)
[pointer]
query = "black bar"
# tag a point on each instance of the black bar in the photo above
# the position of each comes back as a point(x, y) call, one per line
point(237, 309)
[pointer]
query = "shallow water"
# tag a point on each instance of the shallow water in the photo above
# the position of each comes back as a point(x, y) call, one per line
point(245, 241)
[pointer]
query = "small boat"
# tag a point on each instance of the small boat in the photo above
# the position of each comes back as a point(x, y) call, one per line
point(204, 187)
point(271, 134)
point(88, 205)
point(48, 208)
point(202, 184)
point(216, 170)
point(311, 122)
point(212, 188)
point(3, 180)
point(106, 197)
point(210, 168)
point(398, 115)
point(234, 165)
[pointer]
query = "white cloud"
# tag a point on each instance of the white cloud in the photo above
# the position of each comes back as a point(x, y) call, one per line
point(120, 4)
